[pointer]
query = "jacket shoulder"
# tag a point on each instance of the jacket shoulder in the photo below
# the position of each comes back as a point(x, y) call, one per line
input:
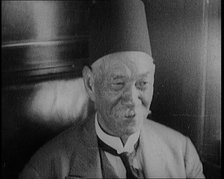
point(165, 134)
point(55, 155)
point(173, 150)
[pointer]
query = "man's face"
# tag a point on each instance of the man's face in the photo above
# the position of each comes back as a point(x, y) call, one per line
point(123, 91)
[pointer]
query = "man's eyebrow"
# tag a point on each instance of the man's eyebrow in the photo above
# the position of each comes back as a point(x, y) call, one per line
point(145, 74)
point(117, 76)
point(121, 76)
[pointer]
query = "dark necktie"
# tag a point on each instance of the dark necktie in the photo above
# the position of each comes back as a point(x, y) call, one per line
point(126, 158)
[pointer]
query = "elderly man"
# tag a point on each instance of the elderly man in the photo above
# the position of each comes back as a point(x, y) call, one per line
point(118, 141)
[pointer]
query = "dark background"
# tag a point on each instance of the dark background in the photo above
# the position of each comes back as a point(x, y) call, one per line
point(44, 44)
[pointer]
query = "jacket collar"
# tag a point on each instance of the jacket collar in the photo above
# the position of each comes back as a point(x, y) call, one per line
point(85, 162)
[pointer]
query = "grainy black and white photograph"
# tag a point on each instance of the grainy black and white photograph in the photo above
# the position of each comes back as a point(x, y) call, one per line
point(111, 89)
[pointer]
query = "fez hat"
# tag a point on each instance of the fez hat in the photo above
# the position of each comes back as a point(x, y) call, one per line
point(117, 26)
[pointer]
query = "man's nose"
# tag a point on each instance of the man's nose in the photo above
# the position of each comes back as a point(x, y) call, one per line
point(130, 96)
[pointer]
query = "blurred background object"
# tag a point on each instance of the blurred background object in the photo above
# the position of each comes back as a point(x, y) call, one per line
point(44, 47)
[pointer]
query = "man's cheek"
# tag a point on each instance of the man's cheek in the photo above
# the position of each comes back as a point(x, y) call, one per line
point(108, 106)
point(112, 100)
point(142, 111)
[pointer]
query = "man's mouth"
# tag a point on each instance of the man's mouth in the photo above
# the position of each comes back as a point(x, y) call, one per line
point(130, 114)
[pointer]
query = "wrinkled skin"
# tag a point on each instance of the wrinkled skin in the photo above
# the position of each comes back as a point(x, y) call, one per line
point(122, 89)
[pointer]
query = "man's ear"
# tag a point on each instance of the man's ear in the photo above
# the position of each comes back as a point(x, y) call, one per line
point(88, 79)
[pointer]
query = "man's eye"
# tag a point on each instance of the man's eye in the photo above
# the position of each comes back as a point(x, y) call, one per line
point(141, 85)
point(118, 85)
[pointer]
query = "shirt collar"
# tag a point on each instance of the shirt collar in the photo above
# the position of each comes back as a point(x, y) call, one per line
point(115, 142)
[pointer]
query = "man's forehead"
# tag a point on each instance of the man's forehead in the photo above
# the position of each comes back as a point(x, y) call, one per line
point(126, 65)
point(124, 75)
point(114, 60)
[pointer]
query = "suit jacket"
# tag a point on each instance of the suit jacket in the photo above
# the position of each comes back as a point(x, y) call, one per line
point(74, 154)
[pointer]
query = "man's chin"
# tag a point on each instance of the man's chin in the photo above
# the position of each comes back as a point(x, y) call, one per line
point(131, 130)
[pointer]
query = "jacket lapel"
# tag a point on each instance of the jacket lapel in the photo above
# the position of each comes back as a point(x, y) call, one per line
point(153, 156)
point(85, 162)
point(107, 169)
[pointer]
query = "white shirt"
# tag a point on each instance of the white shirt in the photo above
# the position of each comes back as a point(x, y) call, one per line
point(115, 143)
